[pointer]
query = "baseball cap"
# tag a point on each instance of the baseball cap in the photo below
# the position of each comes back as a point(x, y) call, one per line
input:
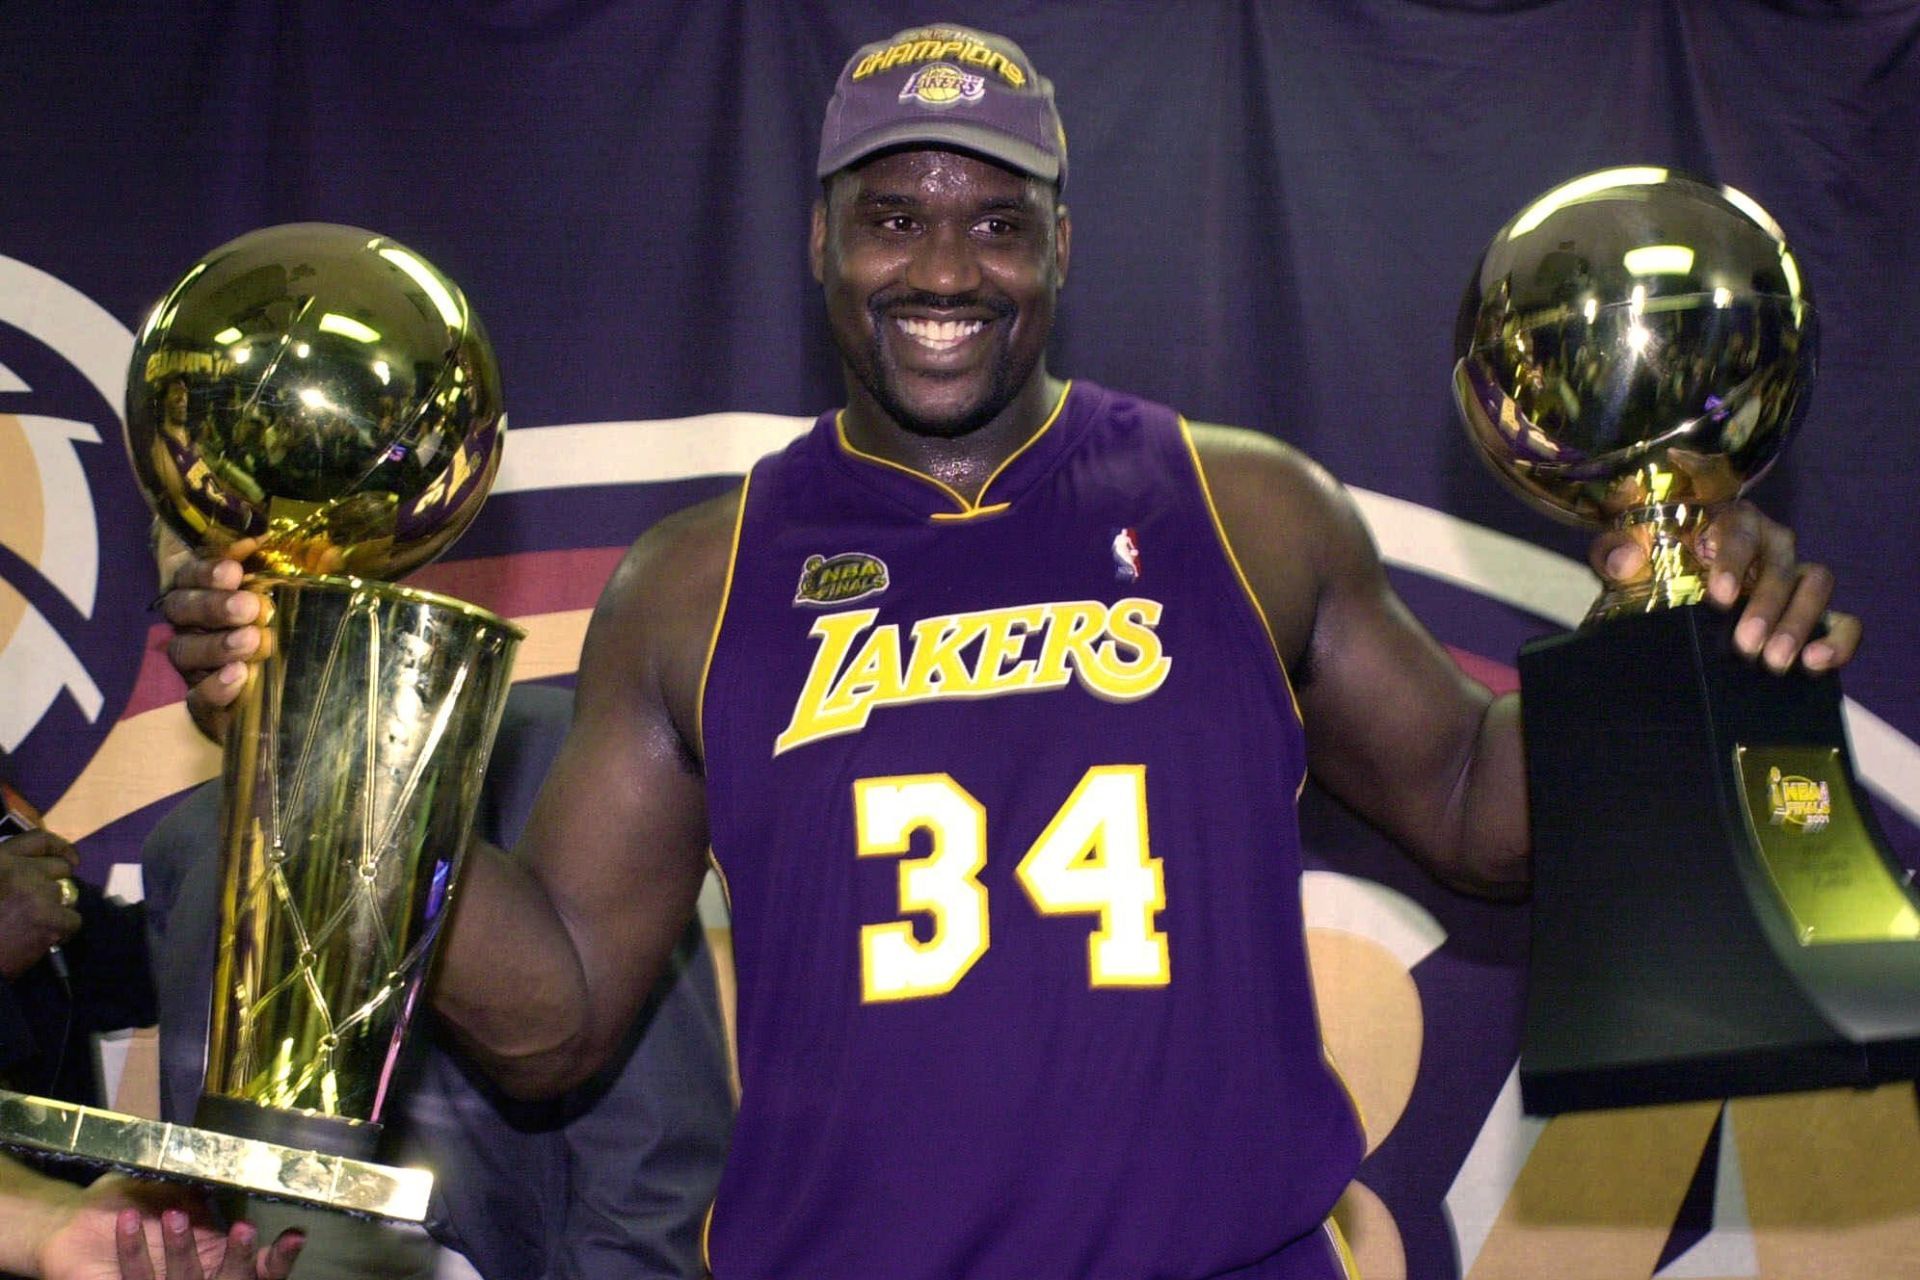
point(950, 86)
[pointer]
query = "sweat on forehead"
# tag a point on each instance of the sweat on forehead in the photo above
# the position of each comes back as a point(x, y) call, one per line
point(933, 168)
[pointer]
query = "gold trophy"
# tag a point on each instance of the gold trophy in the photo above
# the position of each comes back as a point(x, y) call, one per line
point(328, 394)
point(1714, 912)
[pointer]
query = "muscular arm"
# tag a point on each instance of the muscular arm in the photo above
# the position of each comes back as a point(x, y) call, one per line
point(553, 950)
point(1394, 728)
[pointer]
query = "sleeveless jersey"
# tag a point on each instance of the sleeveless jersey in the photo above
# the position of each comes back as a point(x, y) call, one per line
point(1004, 799)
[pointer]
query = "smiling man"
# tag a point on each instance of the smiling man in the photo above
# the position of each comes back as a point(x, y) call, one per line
point(992, 697)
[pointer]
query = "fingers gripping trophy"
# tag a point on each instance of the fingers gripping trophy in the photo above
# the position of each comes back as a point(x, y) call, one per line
point(1714, 913)
point(326, 398)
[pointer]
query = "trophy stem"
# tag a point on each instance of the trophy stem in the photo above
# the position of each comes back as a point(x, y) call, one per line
point(1675, 573)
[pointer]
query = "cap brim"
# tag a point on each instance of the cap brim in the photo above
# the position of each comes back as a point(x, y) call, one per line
point(1016, 153)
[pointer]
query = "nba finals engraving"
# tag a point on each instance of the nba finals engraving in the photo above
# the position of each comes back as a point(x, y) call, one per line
point(1112, 650)
point(1799, 804)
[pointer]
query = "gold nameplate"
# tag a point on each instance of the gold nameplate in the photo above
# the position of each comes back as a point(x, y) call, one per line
point(137, 1145)
point(1831, 877)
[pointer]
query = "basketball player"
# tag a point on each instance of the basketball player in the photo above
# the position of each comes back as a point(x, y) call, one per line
point(992, 697)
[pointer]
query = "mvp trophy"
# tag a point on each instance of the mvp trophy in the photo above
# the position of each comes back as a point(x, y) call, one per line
point(328, 394)
point(1714, 912)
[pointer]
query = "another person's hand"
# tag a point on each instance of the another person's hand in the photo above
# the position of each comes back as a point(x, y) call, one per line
point(1786, 598)
point(36, 899)
point(215, 633)
point(127, 1229)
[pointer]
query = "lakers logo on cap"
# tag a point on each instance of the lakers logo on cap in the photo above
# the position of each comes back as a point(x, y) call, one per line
point(942, 85)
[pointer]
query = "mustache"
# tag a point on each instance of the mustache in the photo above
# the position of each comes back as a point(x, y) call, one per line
point(901, 296)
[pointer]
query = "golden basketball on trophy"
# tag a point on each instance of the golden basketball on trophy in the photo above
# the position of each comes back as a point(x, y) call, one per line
point(326, 397)
point(1635, 350)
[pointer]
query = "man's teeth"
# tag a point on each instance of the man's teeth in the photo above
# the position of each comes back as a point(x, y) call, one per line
point(940, 334)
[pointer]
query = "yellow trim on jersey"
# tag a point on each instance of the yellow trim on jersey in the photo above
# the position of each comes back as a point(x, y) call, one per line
point(840, 432)
point(719, 617)
point(1220, 529)
point(729, 1027)
point(991, 510)
point(968, 510)
point(1339, 1078)
point(1046, 426)
point(720, 874)
point(1339, 1237)
point(1226, 544)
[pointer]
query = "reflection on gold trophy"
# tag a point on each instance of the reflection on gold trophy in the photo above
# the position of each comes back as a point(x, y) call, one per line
point(329, 395)
point(1635, 351)
point(1714, 913)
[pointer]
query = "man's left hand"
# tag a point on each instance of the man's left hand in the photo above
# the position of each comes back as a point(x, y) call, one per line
point(36, 907)
point(127, 1229)
point(1786, 598)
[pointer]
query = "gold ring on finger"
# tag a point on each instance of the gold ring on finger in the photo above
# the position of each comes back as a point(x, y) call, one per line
point(69, 891)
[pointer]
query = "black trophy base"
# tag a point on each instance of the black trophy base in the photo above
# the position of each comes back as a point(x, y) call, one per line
point(354, 1139)
point(1684, 946)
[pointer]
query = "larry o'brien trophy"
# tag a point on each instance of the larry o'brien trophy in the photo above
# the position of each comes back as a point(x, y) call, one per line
point(1714, 911)
point(328, 393)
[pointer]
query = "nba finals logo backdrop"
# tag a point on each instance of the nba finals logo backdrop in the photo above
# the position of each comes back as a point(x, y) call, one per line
point(1275, 211)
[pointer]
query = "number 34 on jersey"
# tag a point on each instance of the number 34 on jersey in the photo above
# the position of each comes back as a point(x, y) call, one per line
point(1093, 858)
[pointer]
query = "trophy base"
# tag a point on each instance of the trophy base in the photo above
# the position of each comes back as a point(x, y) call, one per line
point(1713, 914)
point(67, 1132)
point(354, 1139)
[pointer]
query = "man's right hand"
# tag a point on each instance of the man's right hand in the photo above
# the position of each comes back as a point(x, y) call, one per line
point(33, 917)
point(216, 633)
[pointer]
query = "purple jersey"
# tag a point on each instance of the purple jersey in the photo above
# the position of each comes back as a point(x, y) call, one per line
point(1004, 799)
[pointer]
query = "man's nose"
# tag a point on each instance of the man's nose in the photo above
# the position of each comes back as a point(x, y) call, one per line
point(944, 262)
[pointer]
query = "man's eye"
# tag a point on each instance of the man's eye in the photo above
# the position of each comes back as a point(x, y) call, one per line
point(898, 223)
point(997, 227)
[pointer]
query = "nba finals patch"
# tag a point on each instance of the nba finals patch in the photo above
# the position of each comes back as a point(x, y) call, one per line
point(942, 85)
point(851, 575)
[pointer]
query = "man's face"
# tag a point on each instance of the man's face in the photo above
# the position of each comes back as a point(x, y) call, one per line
point(940, 272)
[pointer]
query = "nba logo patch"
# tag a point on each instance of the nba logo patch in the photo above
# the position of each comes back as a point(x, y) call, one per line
point(942, 84)
point(849, 576)
point(1126, 556)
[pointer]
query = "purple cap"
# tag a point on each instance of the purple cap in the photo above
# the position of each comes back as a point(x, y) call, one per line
point(949, 86)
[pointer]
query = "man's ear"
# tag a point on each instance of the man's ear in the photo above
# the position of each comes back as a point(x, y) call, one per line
point(817, 241)
point(1062, 243)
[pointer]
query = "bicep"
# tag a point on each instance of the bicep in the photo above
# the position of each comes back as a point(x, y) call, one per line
point(1394, 728)
point(617, 839)
point(1394, 724)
